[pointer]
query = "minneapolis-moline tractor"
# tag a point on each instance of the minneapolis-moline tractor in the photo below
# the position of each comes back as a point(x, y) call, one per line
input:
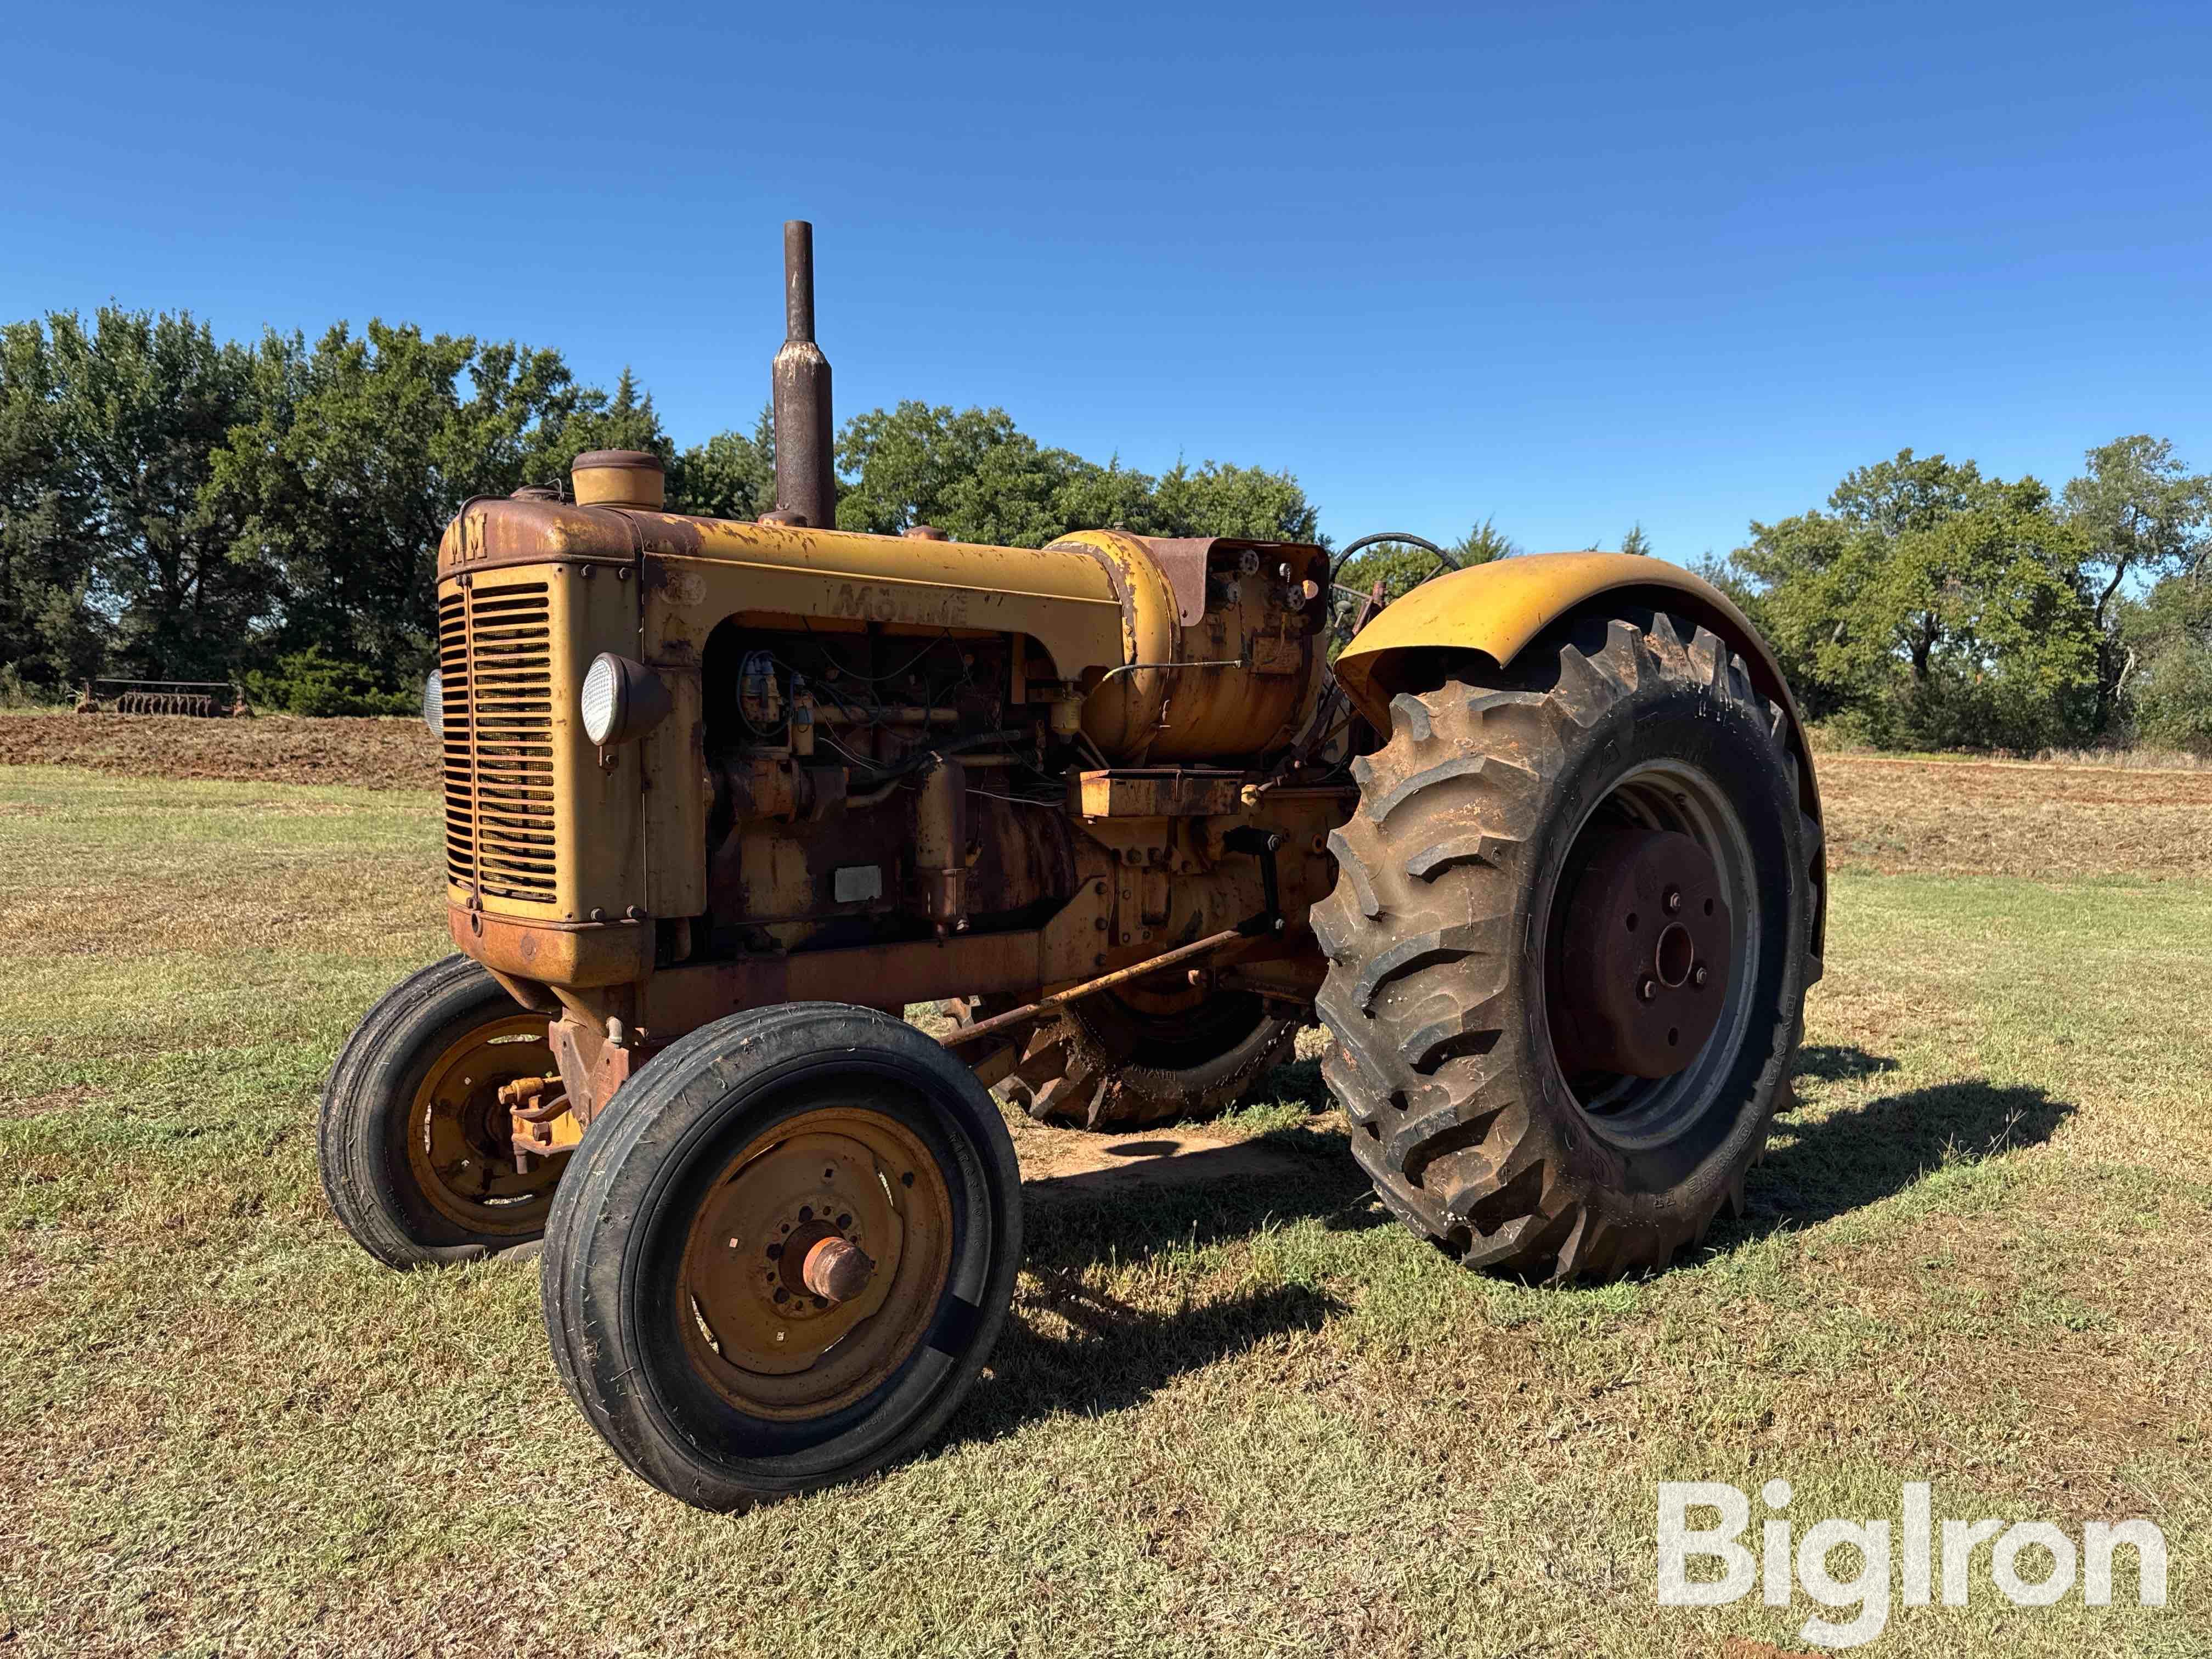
point(1541, 847)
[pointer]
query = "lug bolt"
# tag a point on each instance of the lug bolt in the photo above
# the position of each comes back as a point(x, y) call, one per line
point(1673, 900)
point(1648, 989)
point(1698, 975)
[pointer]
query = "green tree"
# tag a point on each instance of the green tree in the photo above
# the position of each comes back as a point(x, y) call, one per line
point(1401, 567)
point(971, 473)
point(50, 635)
point(1216, 499)
point(2166, 673)
point(1937, 607)
point(364, 446)
point(2145, 517)
point(1484, 543)
point(1636, 541)
point(977, 476)
point(730, 476)
point(108, 556)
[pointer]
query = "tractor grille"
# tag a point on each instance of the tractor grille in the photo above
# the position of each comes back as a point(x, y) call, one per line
point(494, 654)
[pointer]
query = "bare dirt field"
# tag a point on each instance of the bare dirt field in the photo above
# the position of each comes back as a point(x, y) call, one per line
point(1957, 817)
point(369, 754)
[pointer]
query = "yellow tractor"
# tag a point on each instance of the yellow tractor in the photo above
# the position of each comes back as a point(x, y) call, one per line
point(1541, 847)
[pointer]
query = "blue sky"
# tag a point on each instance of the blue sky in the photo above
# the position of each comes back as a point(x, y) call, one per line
point(1571, 265)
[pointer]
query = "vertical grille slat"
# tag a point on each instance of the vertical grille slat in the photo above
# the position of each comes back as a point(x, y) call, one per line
point(494, 652)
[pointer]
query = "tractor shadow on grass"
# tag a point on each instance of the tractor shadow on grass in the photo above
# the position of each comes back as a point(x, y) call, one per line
point(1070, 1347)
point(1818, 1168)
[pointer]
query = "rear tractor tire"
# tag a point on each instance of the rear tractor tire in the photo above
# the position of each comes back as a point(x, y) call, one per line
point(415, 1150)
point(1569, 945)
point(1112, 1063)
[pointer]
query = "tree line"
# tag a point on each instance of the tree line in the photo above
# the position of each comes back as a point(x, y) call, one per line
point(1930, 606)
point(179, 506)
point(175, 506)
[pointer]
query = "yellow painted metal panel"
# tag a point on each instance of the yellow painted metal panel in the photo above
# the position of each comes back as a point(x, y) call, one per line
point(552, 834)
point(714, 569)
point(1498, 608)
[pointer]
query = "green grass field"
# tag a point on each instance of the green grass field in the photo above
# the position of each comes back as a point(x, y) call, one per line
point(1228, 1418)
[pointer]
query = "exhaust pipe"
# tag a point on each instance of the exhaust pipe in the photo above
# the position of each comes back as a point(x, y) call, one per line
point(805, 483)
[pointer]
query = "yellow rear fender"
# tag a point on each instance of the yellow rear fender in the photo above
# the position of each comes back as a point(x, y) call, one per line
point(1496, 609)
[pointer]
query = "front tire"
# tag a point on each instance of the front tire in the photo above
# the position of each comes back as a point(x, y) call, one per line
point(679, 1281)
point(415, 1147)
point(1510, 1100)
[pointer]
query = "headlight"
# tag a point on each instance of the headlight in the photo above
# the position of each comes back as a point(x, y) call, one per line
point(433, 703)
point(621, 700)
point(601, 700)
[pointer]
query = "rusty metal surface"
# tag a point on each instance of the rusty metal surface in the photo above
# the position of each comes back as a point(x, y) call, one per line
point(542, 1124)
point(198, 698)
point(835, 1269)
point(1644, 956)
point(678, 1000)
point(1005, 1027)
point(940, 844)
point(492, 531)
point(1241, 675)
point(1159, 791)
point(573, 953)
point(1293, 979)
point(459, 1134)
point(805, 484)
point(1183, 560)
point(619, 477)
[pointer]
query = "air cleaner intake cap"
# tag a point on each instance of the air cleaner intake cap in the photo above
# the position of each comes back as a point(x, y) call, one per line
point(619, 477)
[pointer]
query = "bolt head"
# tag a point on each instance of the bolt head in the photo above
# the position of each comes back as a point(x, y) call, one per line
point(1648, 989)
point(1699, 975)
point(1673, 900)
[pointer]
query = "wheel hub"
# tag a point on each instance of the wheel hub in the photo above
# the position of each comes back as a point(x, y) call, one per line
point(1645, 956)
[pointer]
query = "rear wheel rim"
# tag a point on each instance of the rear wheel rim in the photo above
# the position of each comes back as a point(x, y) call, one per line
point(1667, 795)
point(846, 1176)
point(460, 1137)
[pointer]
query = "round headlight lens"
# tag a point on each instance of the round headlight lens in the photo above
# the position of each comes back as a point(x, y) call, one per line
point(433, 703)
point(600, 700)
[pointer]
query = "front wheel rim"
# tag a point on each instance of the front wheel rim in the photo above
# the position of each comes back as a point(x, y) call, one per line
point(460, 1137)
point(838, 1177)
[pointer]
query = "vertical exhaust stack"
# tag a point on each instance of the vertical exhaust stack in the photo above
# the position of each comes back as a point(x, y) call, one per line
point(805, 485)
